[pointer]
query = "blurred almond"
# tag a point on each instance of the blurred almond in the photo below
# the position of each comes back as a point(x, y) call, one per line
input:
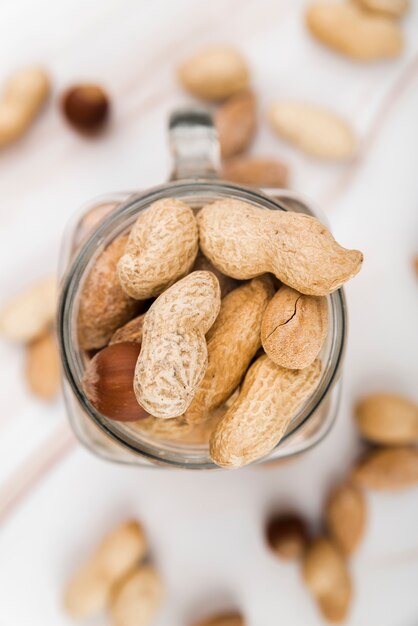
point(345, 515)
point(391, 8)
point(27, 316)
point(315, 131)
point(358, 34)
point(255, 171)
point(215, 73)
point(388, 469)
point(222, 619)
point(326, 574)
point(43, 366)
point(387, 418)
point(236, 123)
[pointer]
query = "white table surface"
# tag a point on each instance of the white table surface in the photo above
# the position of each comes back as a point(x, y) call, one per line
point(205, 531)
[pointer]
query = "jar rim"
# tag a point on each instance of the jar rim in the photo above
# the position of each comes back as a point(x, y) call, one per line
point(111, 227)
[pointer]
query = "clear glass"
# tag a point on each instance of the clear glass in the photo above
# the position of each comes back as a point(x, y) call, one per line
point(103, 220)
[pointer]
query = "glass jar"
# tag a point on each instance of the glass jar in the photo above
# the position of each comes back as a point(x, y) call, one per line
point(194, 180)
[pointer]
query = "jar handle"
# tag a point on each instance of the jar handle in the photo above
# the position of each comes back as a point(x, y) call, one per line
point(194, 144)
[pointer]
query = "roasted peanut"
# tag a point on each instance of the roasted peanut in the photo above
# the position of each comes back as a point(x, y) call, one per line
point(236, 124)
point(270, 396)
point(232, 342)
point(88, 590)
point(27, 316)
point(345, 515)
point(294, 328)
point(131, 331)
point(388, 419)
point(24, 94)
point(215, 73)
point(226, 283)
point(174, 357)
point(355, 33)
point(244, 241)
point(104, 306)
point(388, 469)
point(161, 248)
point(315, 131)
point(327, 577)
point(136, 599)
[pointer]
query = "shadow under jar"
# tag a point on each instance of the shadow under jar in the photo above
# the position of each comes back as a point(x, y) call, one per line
point(194, 181)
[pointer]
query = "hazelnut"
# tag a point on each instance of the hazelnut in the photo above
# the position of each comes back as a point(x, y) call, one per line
point(287, 535)
point(86, 107)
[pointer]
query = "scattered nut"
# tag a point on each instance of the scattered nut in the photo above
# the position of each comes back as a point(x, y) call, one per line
point(294, 328)
point(236, 123)
point(315, 131)
point(24, 94)
point(222, 619)
point(136, 599)
point(388, 469)
point(215, 73)
point(270, 397)
point(345, 515)
point(173, 358)
point(355, 33)
point(131, 331)
point(327, 577)
point(255, 171)
point(161, 248)
point(88, 590)
point(387, 418)
point(244, 241)
point(27, 316)
point(287, 535)
point(104, 306)
point(86, 107)
point(226, 283)
point(108, 382)
point(232, 342)
point(391, 8)
point(43, 372)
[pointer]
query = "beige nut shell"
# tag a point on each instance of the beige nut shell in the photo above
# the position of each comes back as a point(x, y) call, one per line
point(244, 241)
point(294, 328)
point(388, 419)
point(349, 30)
point(269, 398)
point(388, 469)
point(173, 358)
point(232, 342)
point(236, 123)
point(161, 248)
point(104, 306)
point(135, 600)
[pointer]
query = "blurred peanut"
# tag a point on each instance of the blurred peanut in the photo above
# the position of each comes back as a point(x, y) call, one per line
point(387, 418)
point(236, 123)
point(43, 372)
point(136, 599)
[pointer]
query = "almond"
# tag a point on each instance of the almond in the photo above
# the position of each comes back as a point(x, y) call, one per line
point(222, 619)
point(215, 73)
point(315, 131)
point(27, 316)
point(236, 123)
point(327, 577)
point(387, 418)
point(355, 33)
point(43, 372)
point(388, 469)
point(255, 171)
point(345, 514)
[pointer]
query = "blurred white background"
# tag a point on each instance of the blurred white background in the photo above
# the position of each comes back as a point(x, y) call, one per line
point(206, 531)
